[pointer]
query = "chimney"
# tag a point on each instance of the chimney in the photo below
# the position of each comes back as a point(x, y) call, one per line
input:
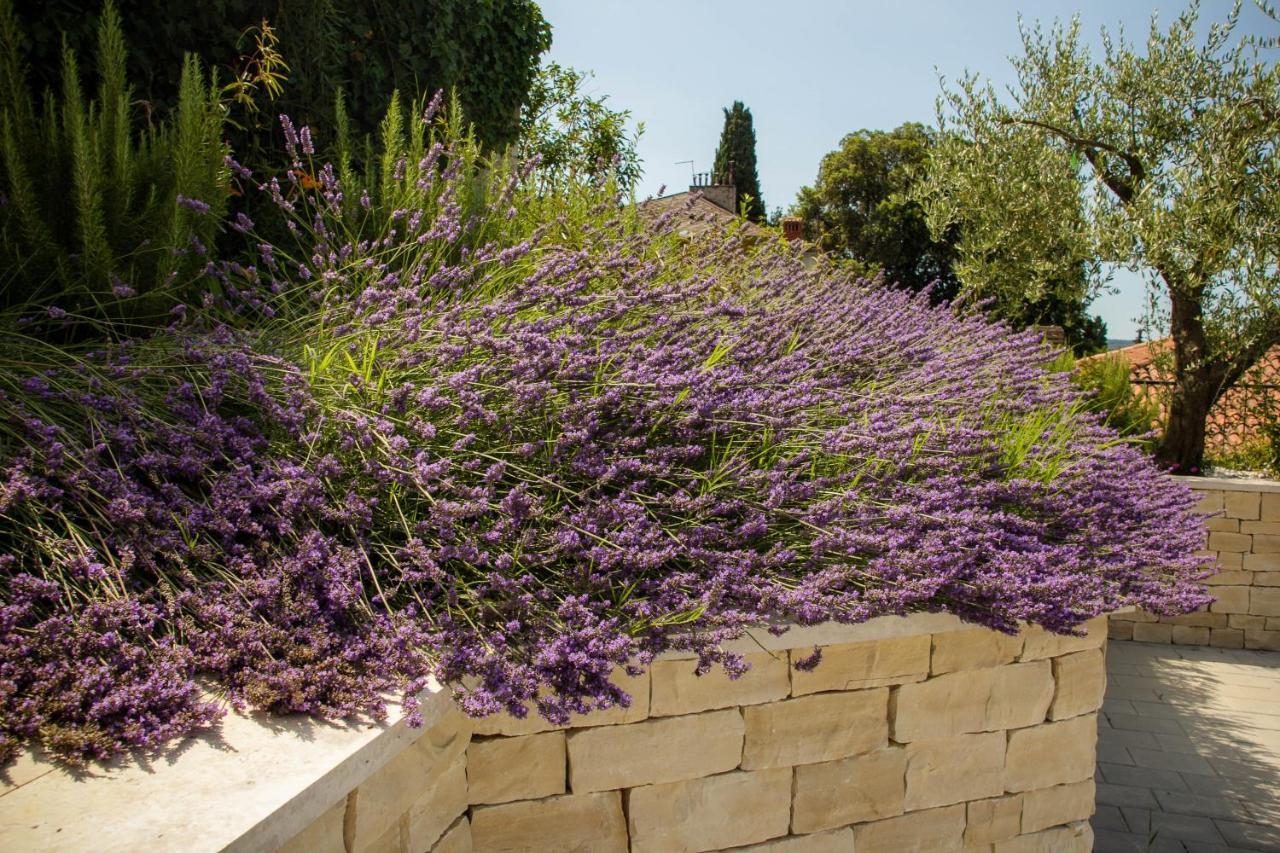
point(1054, 336)
point(792, 228)
point(722, 195)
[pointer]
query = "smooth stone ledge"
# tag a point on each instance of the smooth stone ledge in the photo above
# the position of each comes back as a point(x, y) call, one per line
point(1229, 484)
point(251, 784)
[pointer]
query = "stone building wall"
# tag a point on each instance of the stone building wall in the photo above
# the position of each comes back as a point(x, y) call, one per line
point(959, 739)
point(1243, 533)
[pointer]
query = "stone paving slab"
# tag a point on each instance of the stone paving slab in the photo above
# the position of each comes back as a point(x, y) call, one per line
point(1188, 751)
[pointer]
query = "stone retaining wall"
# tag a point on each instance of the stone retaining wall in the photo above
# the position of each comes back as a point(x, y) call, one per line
point(1243, 533)
point(954, 740)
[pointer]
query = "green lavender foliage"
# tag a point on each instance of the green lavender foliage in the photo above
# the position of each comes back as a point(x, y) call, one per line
point(93, 221)
point(1111, 393)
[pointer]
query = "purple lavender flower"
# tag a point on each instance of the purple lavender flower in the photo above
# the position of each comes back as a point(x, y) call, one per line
point(193, 204)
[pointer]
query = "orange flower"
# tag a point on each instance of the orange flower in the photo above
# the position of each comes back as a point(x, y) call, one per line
point(307, 181)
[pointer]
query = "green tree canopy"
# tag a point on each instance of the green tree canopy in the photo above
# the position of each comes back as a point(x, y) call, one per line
point(859, 208)
point(574, 133)
point(735, 160)
point(1161, 160)
point(488, 50)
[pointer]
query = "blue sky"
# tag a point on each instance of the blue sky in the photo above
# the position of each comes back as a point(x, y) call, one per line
point(812, 71)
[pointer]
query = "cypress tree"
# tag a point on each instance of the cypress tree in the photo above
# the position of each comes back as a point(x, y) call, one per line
point(736, 160)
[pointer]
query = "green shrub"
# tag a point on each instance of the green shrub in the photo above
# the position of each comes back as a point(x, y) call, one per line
point(1110, 392)
point(105, 217)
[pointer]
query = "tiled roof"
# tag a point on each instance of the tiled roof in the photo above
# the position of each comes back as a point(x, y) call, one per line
point(696, 215)
point(1236, 417)
point(701, 214)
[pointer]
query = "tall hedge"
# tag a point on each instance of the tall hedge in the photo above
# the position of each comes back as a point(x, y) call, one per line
point(488, 49)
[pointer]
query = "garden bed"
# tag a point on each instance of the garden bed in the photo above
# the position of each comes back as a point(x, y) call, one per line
point(921, 732)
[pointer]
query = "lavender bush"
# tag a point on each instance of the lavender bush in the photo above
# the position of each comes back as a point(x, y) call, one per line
point(516, 442)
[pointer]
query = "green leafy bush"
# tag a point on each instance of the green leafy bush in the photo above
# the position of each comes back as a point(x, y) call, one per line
point(105, 217)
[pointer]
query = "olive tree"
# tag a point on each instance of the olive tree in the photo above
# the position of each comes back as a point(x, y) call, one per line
point(1162, 160)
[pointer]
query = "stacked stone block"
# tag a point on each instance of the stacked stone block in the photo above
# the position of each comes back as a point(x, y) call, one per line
point(966, 740)
point(1242, 533)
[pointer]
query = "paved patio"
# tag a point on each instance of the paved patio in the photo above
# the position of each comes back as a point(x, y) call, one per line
point(1189, 750)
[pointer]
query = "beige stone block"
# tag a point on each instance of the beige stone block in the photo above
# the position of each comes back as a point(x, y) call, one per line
point(1153, 633)
point(1266, 544)
point(570, 824)
point(1021, 694)
point(1229, 579)
point(942, 771)
point(1265, 640)
point(976, 649)
point(1226, 638)
point(972, 701)
point(1230, 599)
point(993, 820)
point(1199, 619)
point(509, 726)
point(865, 787)
point(1261, 563)
point(1211, 501)
point(437, 806)
point(1273, 623)
point(1266, 579)
point(1229, 561)
point(918, 832)
point(1046, 807)
point(1055, 753)
point(1044, 644)
point(1265, 528)
point(1230, 542)
point(1080, 680)
point(711, 813)
point(636, 686)
point(1076, 838)
point(665, 749)
point(503, 769)
point(456, 839)
point(834, 841)
point(1120, 630)
point(810, 729)
point(1222, 525)
point(324, 835)
point(1243, 505)
point(1245, 621)
point(854, 666)
point(428, 774)
point(1190, 635)
point(1270, 506)
point(1264, 601)
point(1138, 616)
point(678, 690)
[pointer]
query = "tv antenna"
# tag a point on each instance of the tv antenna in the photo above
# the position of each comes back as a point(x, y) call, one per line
point(689, 163)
